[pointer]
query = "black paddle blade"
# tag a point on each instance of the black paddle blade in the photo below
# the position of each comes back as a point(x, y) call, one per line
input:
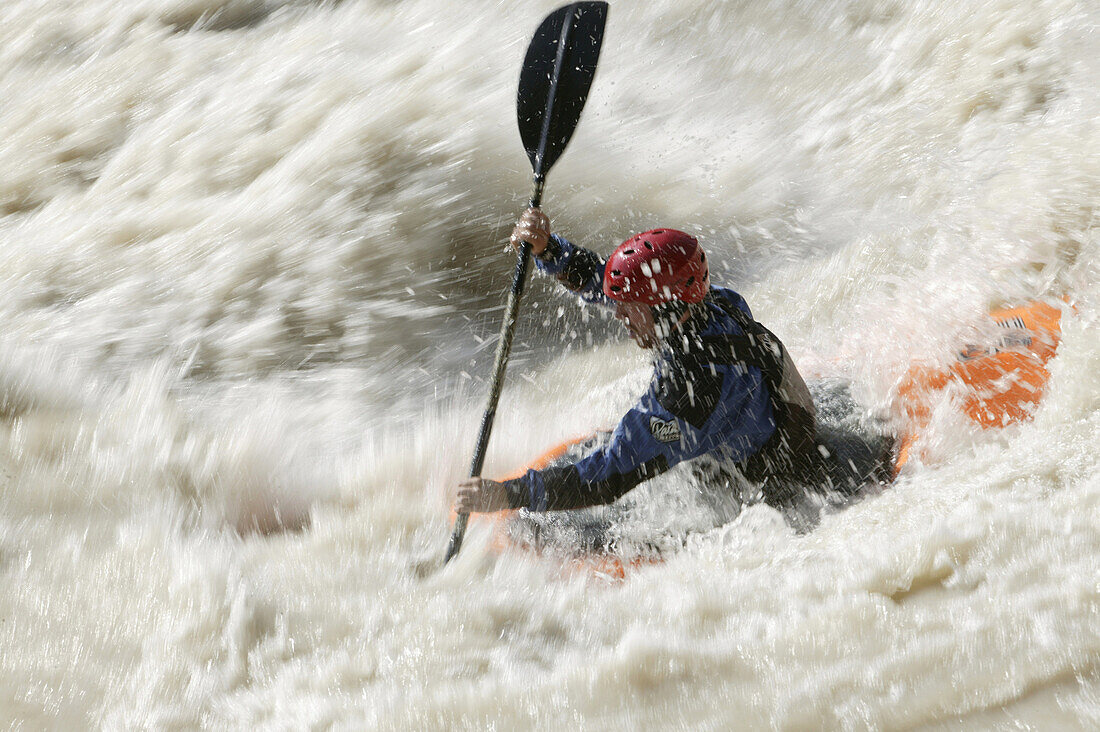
point(556, 76)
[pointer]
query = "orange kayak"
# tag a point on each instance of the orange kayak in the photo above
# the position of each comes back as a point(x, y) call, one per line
point(998, 383)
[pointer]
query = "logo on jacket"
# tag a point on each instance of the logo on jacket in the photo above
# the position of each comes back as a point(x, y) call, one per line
point(665, 431)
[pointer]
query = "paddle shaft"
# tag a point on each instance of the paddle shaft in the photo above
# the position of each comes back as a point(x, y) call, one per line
point(504, 349)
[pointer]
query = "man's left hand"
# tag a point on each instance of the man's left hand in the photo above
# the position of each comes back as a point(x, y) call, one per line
point(481, 495)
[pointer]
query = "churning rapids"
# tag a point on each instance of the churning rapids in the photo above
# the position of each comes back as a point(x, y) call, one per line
point(252, 256)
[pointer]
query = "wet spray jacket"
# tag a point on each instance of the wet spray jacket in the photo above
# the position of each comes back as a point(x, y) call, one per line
point(722, 385)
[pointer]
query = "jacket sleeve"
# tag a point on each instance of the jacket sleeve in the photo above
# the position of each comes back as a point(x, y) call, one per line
point(649, 440)
point(576, 268)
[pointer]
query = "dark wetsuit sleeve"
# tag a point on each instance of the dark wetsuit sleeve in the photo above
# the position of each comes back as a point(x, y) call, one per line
point(578, 269)
point(648, 441)
point(684, 415)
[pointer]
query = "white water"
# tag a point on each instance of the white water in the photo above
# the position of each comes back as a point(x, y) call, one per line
point(248, 252)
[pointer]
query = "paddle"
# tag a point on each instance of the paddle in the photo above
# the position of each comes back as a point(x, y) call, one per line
point(553, 86)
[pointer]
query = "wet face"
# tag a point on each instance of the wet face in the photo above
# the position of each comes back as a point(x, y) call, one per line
point(638, 321)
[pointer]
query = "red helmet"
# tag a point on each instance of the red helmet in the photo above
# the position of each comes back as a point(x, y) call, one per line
point(658, 266)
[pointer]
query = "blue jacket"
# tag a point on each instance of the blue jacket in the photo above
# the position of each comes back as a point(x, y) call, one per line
point(693, 406)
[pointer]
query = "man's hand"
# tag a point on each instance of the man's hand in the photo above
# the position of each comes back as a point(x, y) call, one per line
point(534, 228)
point(481, 495)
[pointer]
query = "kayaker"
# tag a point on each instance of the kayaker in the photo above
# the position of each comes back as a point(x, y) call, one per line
point(723, 385)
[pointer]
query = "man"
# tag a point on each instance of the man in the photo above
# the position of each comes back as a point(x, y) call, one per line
point(723, 385)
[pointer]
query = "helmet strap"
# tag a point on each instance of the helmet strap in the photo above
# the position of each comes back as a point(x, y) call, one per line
point(669, 316)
